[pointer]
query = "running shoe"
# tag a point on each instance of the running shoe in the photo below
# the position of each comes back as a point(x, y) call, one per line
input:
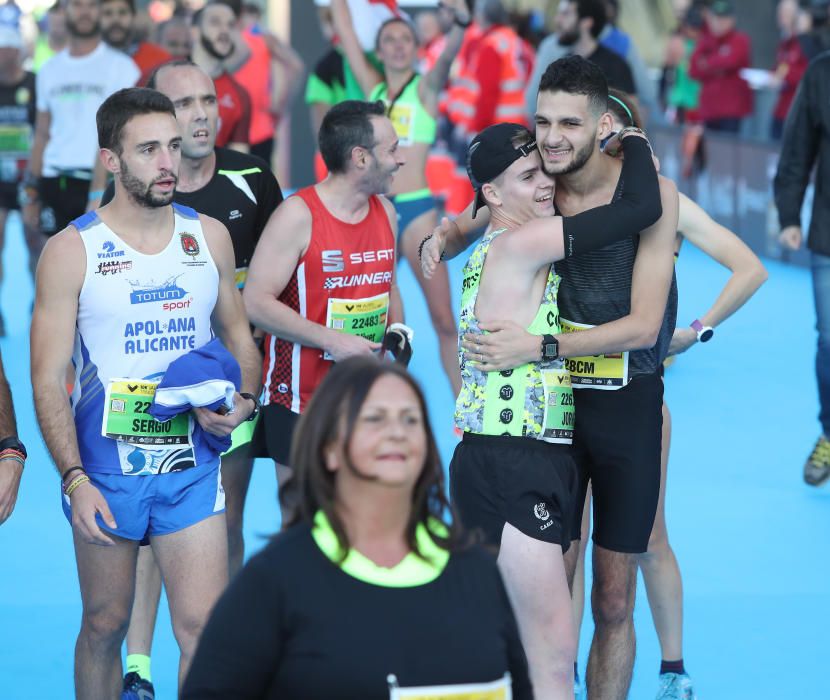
point(817, 467)
point(136, 688)
point(675, 686)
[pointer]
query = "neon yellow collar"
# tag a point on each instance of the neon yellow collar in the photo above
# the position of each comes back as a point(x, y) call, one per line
point(411, 571)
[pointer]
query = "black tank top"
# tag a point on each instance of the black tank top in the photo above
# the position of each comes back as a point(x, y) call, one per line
point(596, 289)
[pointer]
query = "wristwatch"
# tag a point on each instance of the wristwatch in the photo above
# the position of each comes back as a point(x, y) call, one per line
point(550, 348)
point(704, 333)
point(255, 412)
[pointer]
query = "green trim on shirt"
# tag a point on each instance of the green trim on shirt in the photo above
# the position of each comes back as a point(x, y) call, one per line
point(411, 571)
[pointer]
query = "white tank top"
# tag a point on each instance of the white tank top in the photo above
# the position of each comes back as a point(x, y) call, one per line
point(136, 314)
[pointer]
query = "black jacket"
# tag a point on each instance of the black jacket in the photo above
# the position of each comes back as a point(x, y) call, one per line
point(807, 139)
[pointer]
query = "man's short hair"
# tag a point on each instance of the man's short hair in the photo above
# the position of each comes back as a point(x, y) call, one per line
point(595, 10)
point(152, 81)
point(347, 125)
point(575, 75)
point(130, 3)
point(122, 106)
point(235, 6)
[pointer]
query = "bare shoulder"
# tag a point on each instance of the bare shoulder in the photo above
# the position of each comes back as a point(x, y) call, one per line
point(668, 188)
point(391, 212)
point(213, 229)
point(65, 250)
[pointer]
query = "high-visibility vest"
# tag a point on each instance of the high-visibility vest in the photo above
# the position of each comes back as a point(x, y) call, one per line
point(463, 87)
point(516, 67)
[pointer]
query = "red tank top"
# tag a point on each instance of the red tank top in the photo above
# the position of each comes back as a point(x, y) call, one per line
point(343, 281)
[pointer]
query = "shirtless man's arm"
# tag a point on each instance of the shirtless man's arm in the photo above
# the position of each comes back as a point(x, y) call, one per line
point(283, 244)
point(60, 275)
point(10, 470)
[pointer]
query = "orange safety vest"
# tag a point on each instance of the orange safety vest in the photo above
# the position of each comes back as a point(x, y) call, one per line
point(516, 68)
point(463, 87)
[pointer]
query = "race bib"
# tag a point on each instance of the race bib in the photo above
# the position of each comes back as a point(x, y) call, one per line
point(363, 317)
point(608, 372)
point(558, 425)
point(15, 140)
point(127, 420)
point(401, 117)
point(497, 690)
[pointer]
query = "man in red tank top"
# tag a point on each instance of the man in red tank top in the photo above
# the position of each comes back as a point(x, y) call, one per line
point(321, 283)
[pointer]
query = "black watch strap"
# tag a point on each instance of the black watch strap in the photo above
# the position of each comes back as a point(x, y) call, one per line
point(255, 412)
point(12, 443)
point(550, 348)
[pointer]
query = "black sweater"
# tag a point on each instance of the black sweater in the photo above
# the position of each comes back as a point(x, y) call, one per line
point(293, 625)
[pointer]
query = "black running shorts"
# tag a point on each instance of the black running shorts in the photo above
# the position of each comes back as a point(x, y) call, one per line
point(617, 439)
point(8, 196)
point(62, 199)
point(498, 479)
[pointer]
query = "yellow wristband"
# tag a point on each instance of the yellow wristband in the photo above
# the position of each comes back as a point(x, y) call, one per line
point(75, 484)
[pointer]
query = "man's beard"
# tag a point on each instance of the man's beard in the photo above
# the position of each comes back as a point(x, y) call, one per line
point(580, 158)
point(73, 31)
point(116, 36)
point(569, 38)
point(209, 46)
point(142, 193)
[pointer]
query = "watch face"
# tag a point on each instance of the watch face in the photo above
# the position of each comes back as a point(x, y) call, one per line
point(551, 350)
point(706, 336)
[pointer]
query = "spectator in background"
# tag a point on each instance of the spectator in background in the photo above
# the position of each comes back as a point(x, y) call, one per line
point(270, 71)
point(17, 107)
point(215, 26)
point(614, 38)
point(720, 54)
point(806, 142)
point(117, 29)
point(52, 37)
point(173, 35)
point(431, 41)
point(579, 24)
point(501, 69)
point(680, 92)
point(790, 64)
point(817, 39)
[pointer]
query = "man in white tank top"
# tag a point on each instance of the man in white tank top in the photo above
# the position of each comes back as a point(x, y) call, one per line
point(121, 293)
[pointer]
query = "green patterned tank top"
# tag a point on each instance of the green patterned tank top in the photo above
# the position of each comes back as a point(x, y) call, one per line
point(534, 400)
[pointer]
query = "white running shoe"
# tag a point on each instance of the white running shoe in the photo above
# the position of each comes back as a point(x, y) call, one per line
point(675, 686)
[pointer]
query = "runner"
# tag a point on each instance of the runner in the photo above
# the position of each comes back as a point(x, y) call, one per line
point(124, 272)
point(322, 279)
point(628, 291)
point(214, 26)
point(17, 116)
point(516, 421)
point(661, 573)
point(12, 451)
point(70, 87)
point(118, 28)
point(241, 192)
point(412, 105)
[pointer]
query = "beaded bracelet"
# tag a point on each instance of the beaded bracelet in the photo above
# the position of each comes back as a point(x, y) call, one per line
point(10, 453)
point(83, 479)
point(13, 458)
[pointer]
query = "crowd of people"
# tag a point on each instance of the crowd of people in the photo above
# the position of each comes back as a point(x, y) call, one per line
point(189, 318)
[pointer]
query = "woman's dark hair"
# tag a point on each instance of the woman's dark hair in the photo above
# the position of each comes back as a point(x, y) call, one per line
point(575, 75)
point(395, 20)
point(123, 105)
point(623, 108)
point(347, 125)
point(330, 417)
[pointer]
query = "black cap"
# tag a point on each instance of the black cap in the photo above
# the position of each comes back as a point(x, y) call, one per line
point(722, 8)
point(491, 153)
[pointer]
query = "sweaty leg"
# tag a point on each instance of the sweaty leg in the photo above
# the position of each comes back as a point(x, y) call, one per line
point(437, 294)
point(236, 476)
point(145, 605)
point(660, 571)
point(107, 579)
point(534, 574)
point(612, 601)
point(194, 566)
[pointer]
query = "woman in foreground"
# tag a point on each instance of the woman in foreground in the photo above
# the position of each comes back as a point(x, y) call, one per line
point(371, 593)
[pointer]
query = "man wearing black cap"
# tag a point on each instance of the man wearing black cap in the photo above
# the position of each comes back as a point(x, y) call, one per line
point(622, 300)
point(512, 476)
